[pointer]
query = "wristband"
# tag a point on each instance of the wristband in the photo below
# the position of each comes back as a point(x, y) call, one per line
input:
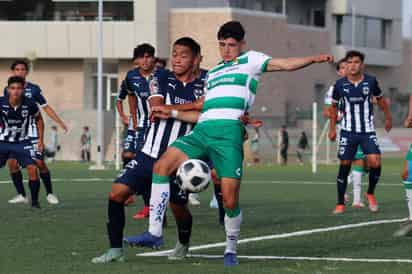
point(174, 113)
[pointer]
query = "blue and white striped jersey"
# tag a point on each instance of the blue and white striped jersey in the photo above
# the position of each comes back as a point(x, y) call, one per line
point(164, 132)
point(15, 123)
point(357, 106)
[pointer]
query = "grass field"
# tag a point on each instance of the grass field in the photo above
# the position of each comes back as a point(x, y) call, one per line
point(274, 200)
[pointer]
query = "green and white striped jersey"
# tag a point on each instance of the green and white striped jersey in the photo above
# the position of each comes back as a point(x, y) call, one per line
point(231, 87)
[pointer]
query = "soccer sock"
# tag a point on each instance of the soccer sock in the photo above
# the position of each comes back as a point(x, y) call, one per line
point(374, 175)
point(184, 229)
point(233, 220)
point(357, 174)
point(34, 186)
point(219, 199)
point(17, 179)
point(158, 203)
point(342, 182)
point(46, 178)
point(116, 223)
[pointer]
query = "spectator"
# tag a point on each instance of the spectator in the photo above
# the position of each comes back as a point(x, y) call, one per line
point(303, 144)
point(53, 147)
point(85, 142)
point(284, 145)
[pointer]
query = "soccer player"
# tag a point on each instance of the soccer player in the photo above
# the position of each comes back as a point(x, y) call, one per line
point(359, 162)
point(18, 114)
point(357, 90)
point(179, 86)
point(21, 68)
point(219, 134)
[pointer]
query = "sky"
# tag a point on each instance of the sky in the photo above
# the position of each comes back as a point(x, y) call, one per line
point(407, 18)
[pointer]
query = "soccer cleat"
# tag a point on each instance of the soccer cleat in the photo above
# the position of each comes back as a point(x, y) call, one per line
point(35, 205)
point(180, 252)
point(142, 214)
point(358, 205)
point(111, 255)
point(372, 203)
point(19, 199)
point(230, 259)
point(405, 230)
point(52, 199)
point(145, 240)
point(339, 209)
point(213, 203)
point(193, 200)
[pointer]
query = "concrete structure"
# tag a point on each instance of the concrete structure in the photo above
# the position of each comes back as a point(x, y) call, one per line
point(63, 52)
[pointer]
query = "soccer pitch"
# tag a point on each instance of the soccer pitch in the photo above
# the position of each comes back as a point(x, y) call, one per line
point(288, 227)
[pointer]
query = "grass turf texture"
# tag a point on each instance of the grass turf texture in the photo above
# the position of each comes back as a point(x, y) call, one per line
point(63, 238)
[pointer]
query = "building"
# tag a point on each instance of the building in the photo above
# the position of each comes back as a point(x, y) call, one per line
point(59, 36)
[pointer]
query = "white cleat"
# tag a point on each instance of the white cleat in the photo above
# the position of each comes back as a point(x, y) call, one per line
point(358, 205)
point(19, 199)
point(213, 203)
point(193, 199)
point(52, 199)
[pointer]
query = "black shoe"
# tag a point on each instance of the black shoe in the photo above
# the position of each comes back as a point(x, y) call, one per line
point(35, 205)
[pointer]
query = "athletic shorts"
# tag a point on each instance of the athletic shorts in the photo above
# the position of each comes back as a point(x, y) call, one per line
point(38, 155)
point(22, 152)
point(138, 177)
point(140, 138)
point(408, 182)
point(349, 143)
point(220, 141)
point(359, 154)
point(129, 143)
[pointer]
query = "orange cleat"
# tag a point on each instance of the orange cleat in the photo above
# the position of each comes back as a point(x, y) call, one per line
point(142, 214)
point(373, 204)
point(339, 209)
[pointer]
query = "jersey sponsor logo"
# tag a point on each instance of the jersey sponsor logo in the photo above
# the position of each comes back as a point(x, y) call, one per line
point(181, 101)
point(24, 113)
point(356, 99)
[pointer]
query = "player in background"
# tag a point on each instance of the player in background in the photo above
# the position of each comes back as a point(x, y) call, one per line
point(21, 68)
point(406, 176)
point(359, 162)
point(357, 91)
point(179, 86)
point(219, 135)
point(17, 115)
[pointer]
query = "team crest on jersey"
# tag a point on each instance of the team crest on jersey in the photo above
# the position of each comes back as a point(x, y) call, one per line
point(198, 93)
point(154, 86)
point(365, 90)
point(25, 113)
point(28, 95)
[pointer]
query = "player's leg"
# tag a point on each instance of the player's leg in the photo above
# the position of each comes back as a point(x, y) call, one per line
point(358, 169)
point(370, 147)
point(406, 176)
point(45, 176)
point(17, 179)
point(218, 195)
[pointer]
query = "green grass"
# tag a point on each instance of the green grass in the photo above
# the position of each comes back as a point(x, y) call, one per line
point(64, 238)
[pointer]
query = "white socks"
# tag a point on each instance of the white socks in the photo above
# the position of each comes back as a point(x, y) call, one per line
point(357, 185)
point(409, 201)
point(232, 227)
point(159, 201)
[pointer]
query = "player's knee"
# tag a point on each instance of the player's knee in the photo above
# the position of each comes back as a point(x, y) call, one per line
point(163, 166)
point(32, 172)
point(13, 166)
point(180, 211)
point(128, 155)
point(42, 166)
point(345, 162)
point(229, 203)
point(119, 193)
point(374, 163)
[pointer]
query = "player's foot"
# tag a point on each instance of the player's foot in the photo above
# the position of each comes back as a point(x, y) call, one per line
point(146, 240)
point(111, 255)
point(142, 214)
point(405, 230)
point(213, 203)
point(52, 199)
point(131, 200)
point(180, 252)
point(339, 209)
point(358, 205)
point(35, 205)
point(18, 199)
point(193, 200)
point(230, 259)
point(372, 203)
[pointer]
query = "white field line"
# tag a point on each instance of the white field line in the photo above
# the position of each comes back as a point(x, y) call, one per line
point(280, 236)
point(97, 180)
point(330, 259)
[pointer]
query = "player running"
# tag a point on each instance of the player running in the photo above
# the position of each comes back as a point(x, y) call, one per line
point(218, 136)
point(356, 91)
point(359, 162)
point(17, 117)
point(21, 68)
point(177, 87)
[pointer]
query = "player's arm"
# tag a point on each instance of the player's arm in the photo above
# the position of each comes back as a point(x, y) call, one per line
point(40, 130)
point(53, 115)
point(119, 102)
point(132, 99)
point(384, 106)
point(162, 112)
point(333, 118)
point(408, 121)
point(296, 63)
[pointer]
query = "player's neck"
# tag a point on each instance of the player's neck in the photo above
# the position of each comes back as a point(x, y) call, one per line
point(356, 78)
point(15, 102)
point(145, 73)
point(186, 77)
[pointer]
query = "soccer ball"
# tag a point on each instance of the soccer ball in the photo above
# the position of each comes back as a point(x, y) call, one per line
point(193, 176)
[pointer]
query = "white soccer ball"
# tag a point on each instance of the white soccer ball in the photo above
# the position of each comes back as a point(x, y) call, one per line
point(193, 176)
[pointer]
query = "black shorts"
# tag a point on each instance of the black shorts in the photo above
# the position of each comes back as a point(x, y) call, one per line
point(22, 152)
point(349, 142)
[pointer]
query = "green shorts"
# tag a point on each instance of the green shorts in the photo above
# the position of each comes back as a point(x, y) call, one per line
point(220, 141)
point(359, 154)
point(409, 154)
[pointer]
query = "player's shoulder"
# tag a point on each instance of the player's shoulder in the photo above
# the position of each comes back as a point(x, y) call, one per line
point(3, 100)
point(370, 78)
point(33, 87)
point(133, 74)
point(341, 82)
point(29, 102)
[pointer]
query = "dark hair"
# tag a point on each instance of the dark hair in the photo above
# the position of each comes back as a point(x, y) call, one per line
point(86, 128)
point(161, 61)
point(190, 43)
point(142, 49)
point(231, 29)
point(15, 79)
point(355, 53)
point(19, 62)
point(340, 62)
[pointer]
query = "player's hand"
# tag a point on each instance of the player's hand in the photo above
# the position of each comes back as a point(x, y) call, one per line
point(332, 134)
point(125, 119)
point(408, 122)
point(161, 112)
point(323, 58)
point(388, 124)
point(247, 120)
point(40, 146)
point(64, 127)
